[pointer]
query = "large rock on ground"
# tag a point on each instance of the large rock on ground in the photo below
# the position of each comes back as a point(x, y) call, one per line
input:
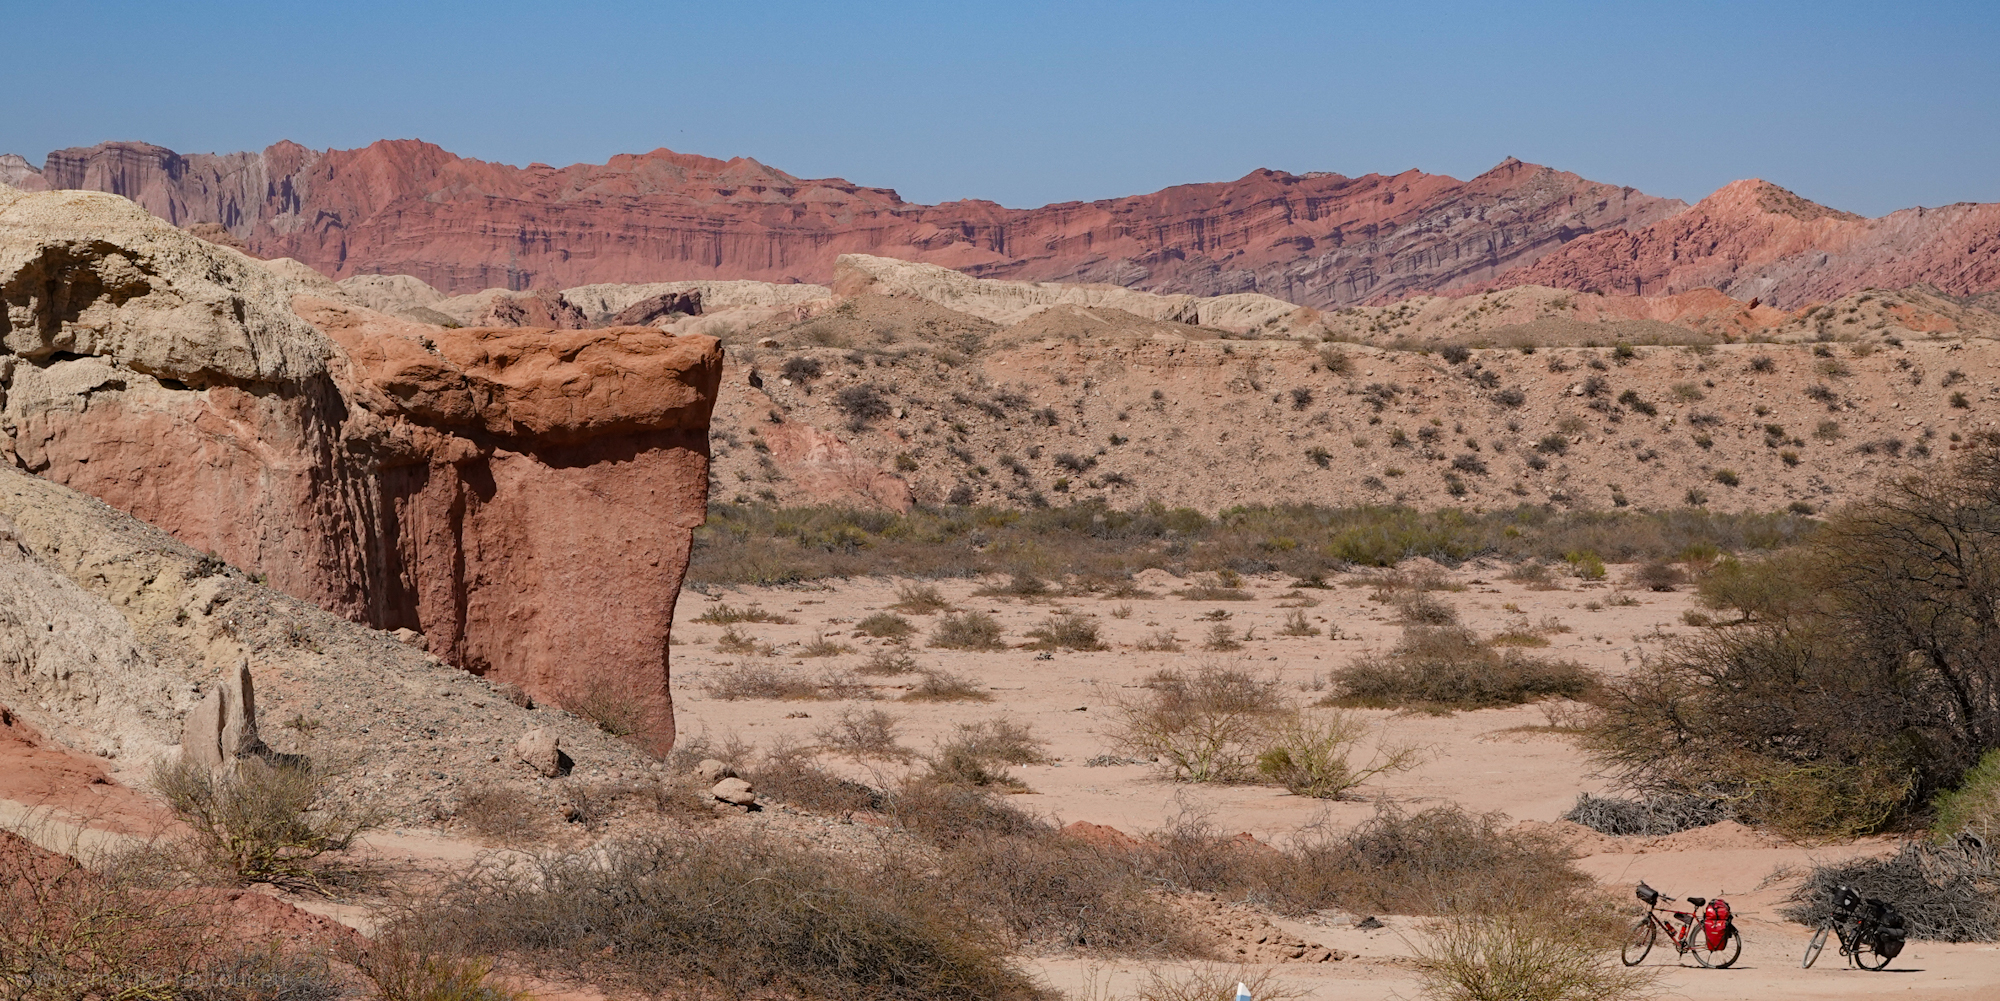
point(523, 497)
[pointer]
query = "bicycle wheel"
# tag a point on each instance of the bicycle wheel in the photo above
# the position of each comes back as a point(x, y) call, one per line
point(1866, 957)
point(1818, 942)
point(1639, 942)
point(1718, 959)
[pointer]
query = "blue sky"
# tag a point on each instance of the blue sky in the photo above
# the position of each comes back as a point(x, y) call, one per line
point(1868, 107)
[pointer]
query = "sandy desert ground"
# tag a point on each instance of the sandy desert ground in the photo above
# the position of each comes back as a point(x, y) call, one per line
point(1503, 759)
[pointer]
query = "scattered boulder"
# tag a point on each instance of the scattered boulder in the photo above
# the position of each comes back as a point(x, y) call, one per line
point(645, 311)
point(711, 771)
point(735, 792)
point(410, 637)
point(541, 750)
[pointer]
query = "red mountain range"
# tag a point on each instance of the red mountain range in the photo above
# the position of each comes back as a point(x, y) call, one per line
point(1319, 239)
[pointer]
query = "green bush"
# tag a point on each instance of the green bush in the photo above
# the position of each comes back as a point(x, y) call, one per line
point(1860, 678)
point(1973, 806)
point(1310, 755)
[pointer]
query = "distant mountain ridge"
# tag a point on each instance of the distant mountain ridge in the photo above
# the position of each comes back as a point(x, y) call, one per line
point(409, 207)
point(1318, 239)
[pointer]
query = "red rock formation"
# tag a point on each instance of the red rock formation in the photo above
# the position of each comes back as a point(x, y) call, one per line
point(1756, 240)
point(462, 225)
point(524, 497)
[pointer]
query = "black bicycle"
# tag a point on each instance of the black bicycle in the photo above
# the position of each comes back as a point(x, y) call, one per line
point(1870, 932)
point(1684, 933)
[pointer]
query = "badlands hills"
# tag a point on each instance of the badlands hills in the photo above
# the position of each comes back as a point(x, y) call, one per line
point(1317, 239)
point(907, 383)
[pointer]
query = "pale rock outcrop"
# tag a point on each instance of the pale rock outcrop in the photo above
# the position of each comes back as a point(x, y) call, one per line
point(1009, 302)
point(16, 171)
point(69, 656)
point(603, 301)
point(390, 294)
point(523, 497)
point(222, 727)
point(497, 307)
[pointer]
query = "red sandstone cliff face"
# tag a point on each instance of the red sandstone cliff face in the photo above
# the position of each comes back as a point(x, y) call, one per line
point(523, 497)
point(1755, 240)
point(406, 207)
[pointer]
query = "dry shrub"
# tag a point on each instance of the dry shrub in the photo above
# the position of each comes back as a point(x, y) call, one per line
point(502, 813)
point(1221, 639)
point(1309, 754)
point(267, 820)
point(1163, 641)
point(723, 614)
point(598, 802)
point(1945, 893)
point(1429, 862)
point(1527, 954)
point(789, 775)
point(735, 641)
point(1442, 668)
point(1441, 860)
point(68, 933)
point(1206, 592)
point(887, 662)
point(1652, 816)
point(748, 680)
point(1066, 630)
point(268, 974)
point(410, 961)
point(1296, 624)
point(977, 754)
point(615, 711)
point(759, 544)
point(1019, 585)
point(1044, 890)
point(948, 814)
point(1208, 982)
point(1535, 576)
point(1658, 575)
point(920, 599)
point(968, 631)
point(1421, 609)
point(1207, 726)
point(943, 686)
point(821, 646)
point(870, 734)
point(727, 914)
point(885, 625)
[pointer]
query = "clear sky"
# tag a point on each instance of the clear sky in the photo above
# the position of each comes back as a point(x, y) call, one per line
point(1868, 107)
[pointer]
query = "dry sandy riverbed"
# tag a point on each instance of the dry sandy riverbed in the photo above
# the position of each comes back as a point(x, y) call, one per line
point(1504, 759)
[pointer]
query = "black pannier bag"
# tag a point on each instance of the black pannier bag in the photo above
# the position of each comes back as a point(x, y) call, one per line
point(1890, 929)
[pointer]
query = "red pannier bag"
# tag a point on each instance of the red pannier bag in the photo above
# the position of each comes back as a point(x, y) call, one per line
point(1715, 923)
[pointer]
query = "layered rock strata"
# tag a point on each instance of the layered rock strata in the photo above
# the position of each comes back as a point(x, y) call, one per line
point(461, 225)
point(524, 497)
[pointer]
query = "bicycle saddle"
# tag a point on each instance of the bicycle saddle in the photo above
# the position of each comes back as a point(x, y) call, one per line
point(1697, 901)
